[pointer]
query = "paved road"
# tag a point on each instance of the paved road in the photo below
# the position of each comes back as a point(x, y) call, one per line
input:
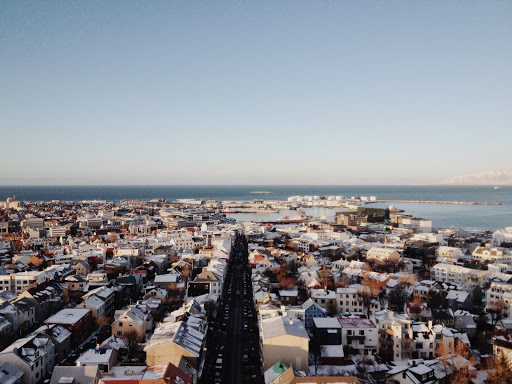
point(233, 370)
point(233, 354)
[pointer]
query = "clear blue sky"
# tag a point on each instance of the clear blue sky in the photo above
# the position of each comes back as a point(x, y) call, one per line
point(260, 92)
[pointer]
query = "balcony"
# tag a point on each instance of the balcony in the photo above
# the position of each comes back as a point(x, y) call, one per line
point(359, 338)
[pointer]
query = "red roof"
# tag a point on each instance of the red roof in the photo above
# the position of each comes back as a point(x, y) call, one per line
point(355, 323)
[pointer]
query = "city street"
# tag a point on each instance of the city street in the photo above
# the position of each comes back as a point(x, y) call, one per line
point(233, 353)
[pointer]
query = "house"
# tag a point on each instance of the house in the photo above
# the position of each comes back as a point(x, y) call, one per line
point(327, 330)
point(383, 255)
point(423, 340)
point(280, 373)
point(95, 304)
point(167, 281)
point(349, 300)
point(491, 255)
point(359, 336)
point(12, 315)
point(206, 282)
point(46, 297)
point(75, 375)
point(82, 268)
point(155, 293)
point(75, 285)
point(60, 337)
point(135, 318)
point(33, 355)
point(395, 335)
point(449, 252)
point(97, 279)
point(103, 358)
point(180, 343)
point(459, 300)
point(165, 374)
point(5, 326)
point(502, 346)
point(285, 340)
point(466, 324)
point(10, 374)
point(324, 298)
point(27, 313)
point(497, 294)
point(311, 311)
point(23, 280)
point(443, 316)
point(130, 287)
point(77, 321)
point(416, 374)
point(332, 355)
point(289, 297)
point(105, 294)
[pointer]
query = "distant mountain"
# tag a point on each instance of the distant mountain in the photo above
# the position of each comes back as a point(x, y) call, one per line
point(496, 177)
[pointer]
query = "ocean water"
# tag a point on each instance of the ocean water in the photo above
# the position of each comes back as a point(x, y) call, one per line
point(479, 217)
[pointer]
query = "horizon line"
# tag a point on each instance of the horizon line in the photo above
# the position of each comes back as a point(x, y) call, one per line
point(251, 185)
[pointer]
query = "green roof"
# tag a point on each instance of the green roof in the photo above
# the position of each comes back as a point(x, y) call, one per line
point(279, 367)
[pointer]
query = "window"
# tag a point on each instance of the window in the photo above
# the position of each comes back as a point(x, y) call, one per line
point(361, 332)
point(119, 333)
point(130, 324)
point(120, 323)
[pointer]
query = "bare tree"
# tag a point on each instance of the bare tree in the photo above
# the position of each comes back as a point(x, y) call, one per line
point(331, 307)
point(104, 321)
point(496, 308)
point(132, 338)
point(316, 348)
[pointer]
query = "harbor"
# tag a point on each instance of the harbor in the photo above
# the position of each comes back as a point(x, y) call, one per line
point(439, 202)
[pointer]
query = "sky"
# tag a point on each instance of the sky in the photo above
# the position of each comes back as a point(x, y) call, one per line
point(260, 92)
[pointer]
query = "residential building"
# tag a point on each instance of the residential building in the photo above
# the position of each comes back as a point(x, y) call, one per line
point(78, 321)
point(311, 311)
point(10, 374)
point(395, 335)
point(285, 340)
point(359, 336)
point(33, 355)
point(134, 319)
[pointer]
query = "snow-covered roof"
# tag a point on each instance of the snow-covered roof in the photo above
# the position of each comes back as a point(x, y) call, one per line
point(280, 326)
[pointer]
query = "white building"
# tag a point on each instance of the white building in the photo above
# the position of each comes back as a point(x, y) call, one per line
point(395, 335)
point(491, 255)
point(34, 355)
point(383, 255)
point(450, 252)
point(499, 294)
point(23, 280)
point(502, 236)
point(349, 300)
point(360, 335)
